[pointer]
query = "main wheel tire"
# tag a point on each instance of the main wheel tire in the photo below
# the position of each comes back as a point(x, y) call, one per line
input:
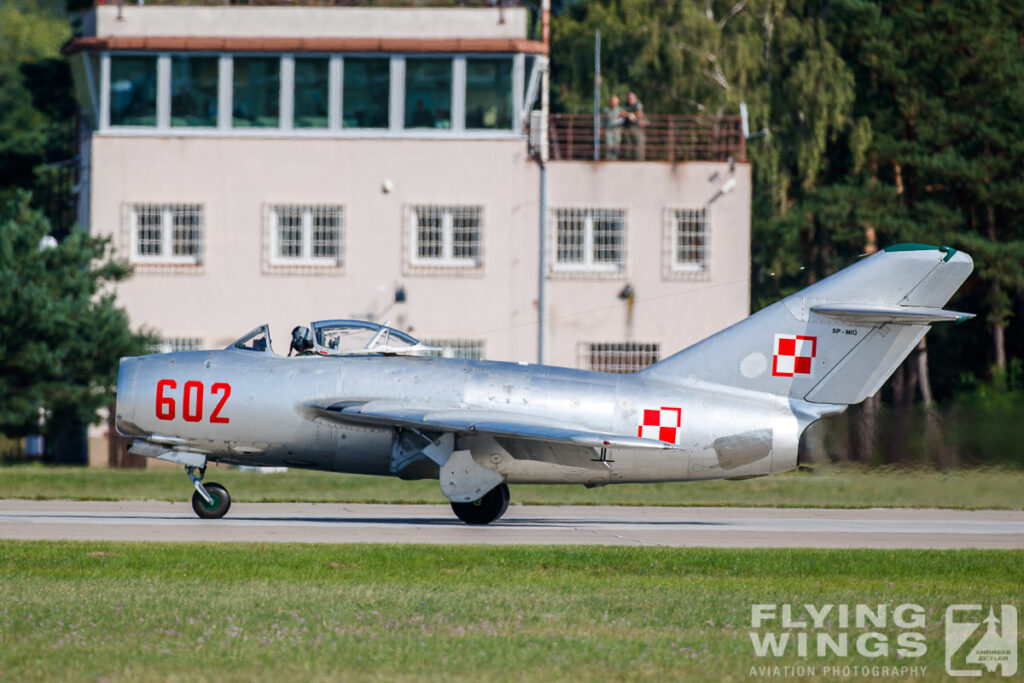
point(221, 502)
point(487, 509)
point(504, 506)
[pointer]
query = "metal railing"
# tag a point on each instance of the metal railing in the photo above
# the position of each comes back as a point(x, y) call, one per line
point(330, 3)
point(664, 137)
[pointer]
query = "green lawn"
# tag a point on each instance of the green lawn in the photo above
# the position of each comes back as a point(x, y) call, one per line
point(826, 487)
point(135, 611)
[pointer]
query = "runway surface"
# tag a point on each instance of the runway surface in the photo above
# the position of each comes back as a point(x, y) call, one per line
point(566, 525)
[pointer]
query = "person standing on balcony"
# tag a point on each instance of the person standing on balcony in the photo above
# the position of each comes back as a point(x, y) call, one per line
point(633, 127)
point(612, 118)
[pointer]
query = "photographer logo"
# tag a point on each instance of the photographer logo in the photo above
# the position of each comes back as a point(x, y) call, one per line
point(976, 643)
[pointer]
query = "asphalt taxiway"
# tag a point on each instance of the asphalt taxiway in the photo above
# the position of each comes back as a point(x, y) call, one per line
point(522, 524)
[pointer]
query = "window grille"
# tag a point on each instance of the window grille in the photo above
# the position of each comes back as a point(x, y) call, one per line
point(619, 357)
point(445, 236)
point(148, 226)
point(589, 240)
point(306, 235)
point(166, 233)
point(457, 348)
point(686, 242)
point(187, 232)
point(172, 344)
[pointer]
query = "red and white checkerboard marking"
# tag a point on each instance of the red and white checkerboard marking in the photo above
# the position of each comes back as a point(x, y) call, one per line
point(793, 355)
point(662, 424)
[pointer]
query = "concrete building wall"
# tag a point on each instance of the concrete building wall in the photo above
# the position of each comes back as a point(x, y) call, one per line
point(305, 22)
point(235, 180)
point(669, 311)
point(233, 290)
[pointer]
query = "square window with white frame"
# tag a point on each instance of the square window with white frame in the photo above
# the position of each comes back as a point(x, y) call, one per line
point(589, 240)
point(306, 235)
point(166, 234)
point(686, 242)
point(444, 236)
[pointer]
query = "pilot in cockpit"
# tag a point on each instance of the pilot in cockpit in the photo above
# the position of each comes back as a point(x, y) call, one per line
point(302, 341)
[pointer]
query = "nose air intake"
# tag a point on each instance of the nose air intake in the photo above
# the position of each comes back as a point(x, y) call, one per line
point(126, 404)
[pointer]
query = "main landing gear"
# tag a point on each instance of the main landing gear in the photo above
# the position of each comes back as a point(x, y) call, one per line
point(210, 501)
point(484, 511)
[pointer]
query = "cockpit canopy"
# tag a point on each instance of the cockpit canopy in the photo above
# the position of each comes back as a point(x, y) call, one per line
point(342, 338)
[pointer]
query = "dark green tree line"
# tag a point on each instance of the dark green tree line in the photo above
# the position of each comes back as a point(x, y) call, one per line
point(875, 122)
point(37, 110)
point(61, 333)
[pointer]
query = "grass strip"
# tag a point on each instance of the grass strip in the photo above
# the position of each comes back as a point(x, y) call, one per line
point(141, 611)
point(841, 487)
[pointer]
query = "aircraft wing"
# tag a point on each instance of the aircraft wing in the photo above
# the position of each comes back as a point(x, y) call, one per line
point(489, 422)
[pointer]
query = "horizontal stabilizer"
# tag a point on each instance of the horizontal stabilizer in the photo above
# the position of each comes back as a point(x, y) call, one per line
point(484, 422)
point(910, 315)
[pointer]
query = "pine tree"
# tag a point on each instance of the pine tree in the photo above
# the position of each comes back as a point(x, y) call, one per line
point(61, 333)
point(37, 110)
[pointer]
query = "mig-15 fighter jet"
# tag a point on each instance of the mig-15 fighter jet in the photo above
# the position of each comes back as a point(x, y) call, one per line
point(363, 398)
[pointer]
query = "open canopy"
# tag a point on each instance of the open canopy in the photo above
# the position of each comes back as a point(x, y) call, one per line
point(344, 338)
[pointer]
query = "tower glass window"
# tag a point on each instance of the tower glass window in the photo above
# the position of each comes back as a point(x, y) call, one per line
point(132, 91)
point(366, 93)
point(428, 93)
point(257, 86)
point(489, 93)
point(194, 91)
point(311, 87)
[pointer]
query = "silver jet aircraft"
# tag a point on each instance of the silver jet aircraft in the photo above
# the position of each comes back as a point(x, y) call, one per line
point(360, 397)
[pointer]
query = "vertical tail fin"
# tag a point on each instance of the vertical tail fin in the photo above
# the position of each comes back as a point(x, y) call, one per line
point(836, 341)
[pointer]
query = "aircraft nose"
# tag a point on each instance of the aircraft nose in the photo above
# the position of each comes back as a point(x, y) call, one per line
point(127, 374)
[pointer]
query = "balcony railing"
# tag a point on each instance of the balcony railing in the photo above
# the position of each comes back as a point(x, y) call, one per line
point(665, 137)
point(329, 3)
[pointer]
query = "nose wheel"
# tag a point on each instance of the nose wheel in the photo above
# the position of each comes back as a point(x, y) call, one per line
point(210, 501)
point(484, 511)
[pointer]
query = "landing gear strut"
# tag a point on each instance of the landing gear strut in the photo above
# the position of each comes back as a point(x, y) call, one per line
point(484, 511)
point(210, 501)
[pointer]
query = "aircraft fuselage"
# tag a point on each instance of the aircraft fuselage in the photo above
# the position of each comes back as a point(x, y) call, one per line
point(238, 407)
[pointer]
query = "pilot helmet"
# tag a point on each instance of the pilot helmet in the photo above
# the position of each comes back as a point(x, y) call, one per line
point(302, 339)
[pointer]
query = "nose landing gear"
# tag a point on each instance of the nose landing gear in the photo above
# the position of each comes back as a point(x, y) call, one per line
point(210, 501)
